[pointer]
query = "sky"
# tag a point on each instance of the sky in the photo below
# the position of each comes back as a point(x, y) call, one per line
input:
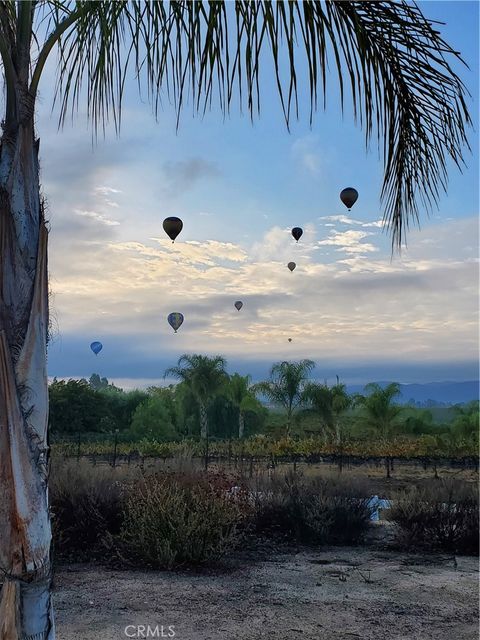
point(239, 188)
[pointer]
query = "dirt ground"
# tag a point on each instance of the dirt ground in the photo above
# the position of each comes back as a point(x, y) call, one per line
point(335, 593)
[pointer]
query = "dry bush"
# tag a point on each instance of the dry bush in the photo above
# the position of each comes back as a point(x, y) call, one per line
point(86, 504)
point(312, 511)
point(157, 519)
point(442, 515)
point(172, 520)
point(165, 519)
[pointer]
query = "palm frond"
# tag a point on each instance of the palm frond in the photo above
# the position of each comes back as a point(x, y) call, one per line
point(390, 59)
point(204, 375)
point(379, 411)
point(287, 383)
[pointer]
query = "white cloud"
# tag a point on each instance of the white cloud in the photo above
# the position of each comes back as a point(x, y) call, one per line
point(305, 151)
point(414, 305)
point(201, 253)
point(278, 245)
point(105, 191)
point(376, 223)
point(98, 217)
point(349, 241)
point(344, 219)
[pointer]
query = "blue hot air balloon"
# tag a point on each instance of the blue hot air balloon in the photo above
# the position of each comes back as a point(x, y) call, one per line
point(175, 320)
point(96, 347)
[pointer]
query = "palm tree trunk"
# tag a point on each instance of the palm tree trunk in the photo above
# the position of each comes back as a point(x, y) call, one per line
point(241, 424)
point(25, 535)
point(203, 421)
point(337, 433)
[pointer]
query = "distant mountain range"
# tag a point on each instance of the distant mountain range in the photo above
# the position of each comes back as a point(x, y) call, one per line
point(432, 393)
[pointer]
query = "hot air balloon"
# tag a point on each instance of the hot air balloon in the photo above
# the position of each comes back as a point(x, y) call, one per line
point(297, 233)
point(238, 305)
point(175, 320)
point(349, 196)
point(289, 339)
point(96, 347)
point(172, 227)
point(291, 266)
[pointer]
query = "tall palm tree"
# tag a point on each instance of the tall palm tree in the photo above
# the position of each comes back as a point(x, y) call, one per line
point(205, 377)
point(380, 412)
point(241, 394)
point(404, 91)
point(286, 387)
point(330, 403)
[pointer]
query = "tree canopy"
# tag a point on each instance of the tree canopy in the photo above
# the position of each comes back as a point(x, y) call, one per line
point(380, 412)
point(286, 386)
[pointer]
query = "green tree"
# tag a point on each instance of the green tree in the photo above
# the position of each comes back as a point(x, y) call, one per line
point(241, 393)
point(380, 413)
point(97, 383)
point(467, 422)
point(222, 416)
point(418, 422)
point(122, 404)
point(330, 404)
point(80, 406)
point(188, 415)
point(286, 387)
point(403, 90)
point(152, 419)
point(205, 377)
point(170, 400)
point(76, 408)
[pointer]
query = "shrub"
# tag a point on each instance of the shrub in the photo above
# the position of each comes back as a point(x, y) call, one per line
point(337, 519)
point(152, 420)
point(170, 522)
point(442, 515)
point(318, 511)
point(86, 504)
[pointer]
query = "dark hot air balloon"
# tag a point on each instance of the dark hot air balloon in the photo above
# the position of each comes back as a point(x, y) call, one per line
point(238, 305)
point(289, 339)
point(96, 347)
point(172, 227)
point(291, 266)
point(175, 320)
point(297, 233)
point(349, 196)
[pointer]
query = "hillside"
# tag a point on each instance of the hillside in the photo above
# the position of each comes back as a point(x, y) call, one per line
point(433, 393)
